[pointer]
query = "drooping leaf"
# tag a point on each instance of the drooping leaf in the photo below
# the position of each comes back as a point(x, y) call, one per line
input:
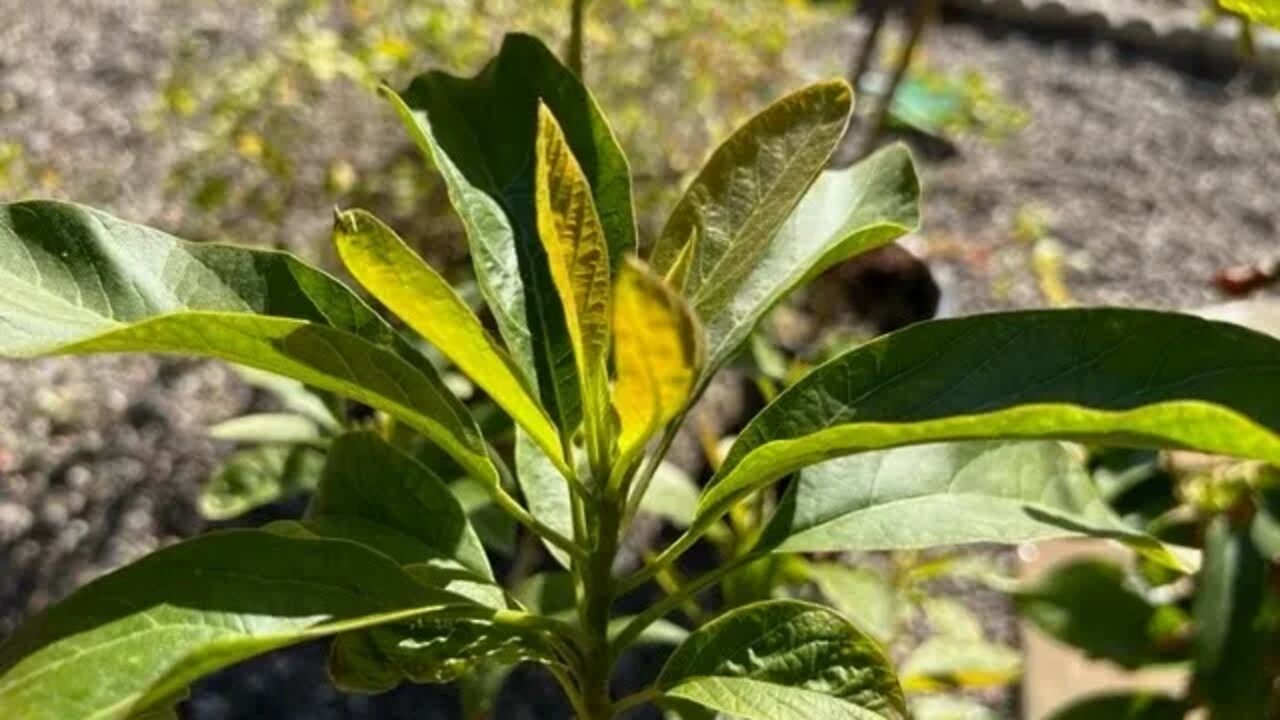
point(1107, 376)
point(1231, 641)
point(258, 476)
point(784, 660)
point(1089, 604)
point(135, 637)
point(862, 595)
point(578, 258)
point(658, 351)
point(480, 133)
point(414, 291)
point(282, 428)
point(546, 493)
point(746, 191)
point(1123, 706)
point(77, 281)
point(845, 213)
point(367, 479)
point(910, 497)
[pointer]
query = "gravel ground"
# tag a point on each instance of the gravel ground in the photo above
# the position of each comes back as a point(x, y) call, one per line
point(1151, 180)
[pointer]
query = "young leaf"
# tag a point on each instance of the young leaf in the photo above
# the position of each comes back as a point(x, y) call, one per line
point(257, 476)
point(784, 660)
point(747, 189)
point(1124, 706)
point(1116, 377)
point(137, 636)
point(845, 213)
point(367, 479)
point(658, 353)
point(908, 498)
point(578, 258)
point(413, 290)
point(1089, 605)
point(77, 281)
point(480, 133)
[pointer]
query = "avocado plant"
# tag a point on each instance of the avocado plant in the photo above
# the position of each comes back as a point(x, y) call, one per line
point(597, 357)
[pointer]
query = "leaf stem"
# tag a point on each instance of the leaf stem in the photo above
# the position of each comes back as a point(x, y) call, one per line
point(664, 558)
point(537, 527)
point(674, 601)
point(635, 699)
point(570, 690)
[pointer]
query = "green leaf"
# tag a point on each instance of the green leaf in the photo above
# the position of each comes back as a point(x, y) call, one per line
point(258, 476)
point(368, 479)
point(862, 595)
point(658, 353)
point(940, 663)
point(480, 133)
point(135, 637)
point(1123, 706)
point(294, 397)
point(414, 291)
point(784, 660)
point(77, 281)
point(845, 213)
point(279, 428)
point(578, 258)
point(1105, 375)
point(546, 493)
point(909, 498)
point(428, 651)
point(1089, 604)
point(1263, 11)
point(746, 191)
point(672, 495)
point(1232, 643)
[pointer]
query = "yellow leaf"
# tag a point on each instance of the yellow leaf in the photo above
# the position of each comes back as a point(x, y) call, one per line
point(414, 291)
point(578, 258)
point(657, 351)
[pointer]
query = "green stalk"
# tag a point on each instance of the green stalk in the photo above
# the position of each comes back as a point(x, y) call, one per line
point(597, 586)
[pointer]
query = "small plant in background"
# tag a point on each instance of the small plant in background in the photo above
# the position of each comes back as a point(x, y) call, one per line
point(942, 434)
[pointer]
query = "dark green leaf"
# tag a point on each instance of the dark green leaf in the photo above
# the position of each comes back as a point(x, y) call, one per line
point(1107, 376)
point(1090, 604)
point(1123, 706)
point(479, 133)
point(142, 633)
point(784, 660)
point(1232, 642)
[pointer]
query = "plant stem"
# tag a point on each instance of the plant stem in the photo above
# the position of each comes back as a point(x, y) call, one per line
point(570, 690)
point(665, 558)
point(546, 532)
point(675, 599)
point(635, 699)
point(597, 585)
point(921, 12)
point(577, 19)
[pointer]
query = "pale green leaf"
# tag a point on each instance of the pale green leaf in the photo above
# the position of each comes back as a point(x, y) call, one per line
point(578, 258)
point(845, 213)
point(77, 281)
point(143, 633)
point(658, 352)
point(420, 296)
point(546, 492)
point(774, 660)
point(258, 476)
point(672, 495)
point(862, 595)
point(746, 191)
point(479, 133)
point(1116, 377)
point(280, 428)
